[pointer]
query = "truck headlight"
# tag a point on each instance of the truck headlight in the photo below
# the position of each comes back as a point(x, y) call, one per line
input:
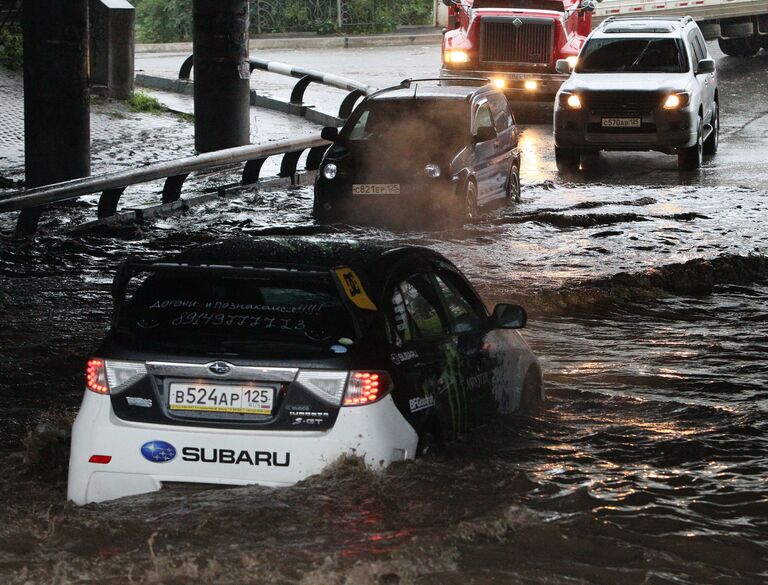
point(432, 170)
point(329, 171)
point(677, 100)
point(572, 61)
point(456, 56)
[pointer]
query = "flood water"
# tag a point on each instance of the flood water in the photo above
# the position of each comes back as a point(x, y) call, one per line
point(648, 465)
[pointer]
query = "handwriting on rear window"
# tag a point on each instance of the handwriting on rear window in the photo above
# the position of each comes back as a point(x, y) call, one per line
point(301, 309)
point(203, 319)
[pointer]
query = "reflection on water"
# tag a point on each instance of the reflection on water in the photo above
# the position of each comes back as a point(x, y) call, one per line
point(647, 466)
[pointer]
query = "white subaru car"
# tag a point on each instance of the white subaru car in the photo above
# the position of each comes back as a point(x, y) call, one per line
point(261, 361)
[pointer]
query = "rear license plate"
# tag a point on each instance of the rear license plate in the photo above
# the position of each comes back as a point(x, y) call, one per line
point(227, 398)
point(388, 189)
point(621, 122)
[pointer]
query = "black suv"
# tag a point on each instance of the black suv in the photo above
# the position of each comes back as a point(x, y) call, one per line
point(418, 150)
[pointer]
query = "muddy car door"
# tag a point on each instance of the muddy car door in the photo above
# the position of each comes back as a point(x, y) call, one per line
point(420, 346)
point(467, 321)
point(486, 144)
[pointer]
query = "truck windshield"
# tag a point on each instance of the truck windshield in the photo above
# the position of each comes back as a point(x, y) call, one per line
point(661, 55)
point(209, 314)
point(556, 5)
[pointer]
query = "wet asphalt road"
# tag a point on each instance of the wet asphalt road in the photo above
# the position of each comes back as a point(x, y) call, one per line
point(648, 296)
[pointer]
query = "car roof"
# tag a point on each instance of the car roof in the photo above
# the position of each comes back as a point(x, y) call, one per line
point(430, 91)
point(373, 256)
point(643, 25)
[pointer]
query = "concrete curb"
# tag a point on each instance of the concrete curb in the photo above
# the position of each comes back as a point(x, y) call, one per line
point(318, 42)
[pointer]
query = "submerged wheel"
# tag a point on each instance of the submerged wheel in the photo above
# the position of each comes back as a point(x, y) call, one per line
point(532, 396)
point(430, 442)
point(513, 185)
point(567, 159)
point(712, 142)
point(689, 159)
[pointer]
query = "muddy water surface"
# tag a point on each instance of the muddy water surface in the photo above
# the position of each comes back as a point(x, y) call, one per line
point(648, 465)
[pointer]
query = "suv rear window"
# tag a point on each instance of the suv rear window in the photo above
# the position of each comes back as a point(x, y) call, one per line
point(649, 55)
point(187, 312)
point(412, 125)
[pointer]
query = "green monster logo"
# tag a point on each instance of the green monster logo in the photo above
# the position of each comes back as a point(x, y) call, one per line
point(457, 390)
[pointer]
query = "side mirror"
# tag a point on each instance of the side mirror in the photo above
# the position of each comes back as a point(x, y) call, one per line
point(705, 66)
point(450, 2)
point(562, 66)
point(330, 134)
point(508, 317)
point(484, 133)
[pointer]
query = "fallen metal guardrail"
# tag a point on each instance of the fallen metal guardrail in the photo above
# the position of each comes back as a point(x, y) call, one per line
point(32, 201)
point(305, 77)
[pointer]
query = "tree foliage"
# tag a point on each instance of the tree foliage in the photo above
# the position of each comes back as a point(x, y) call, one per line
point(11, 47)
point(161, 21)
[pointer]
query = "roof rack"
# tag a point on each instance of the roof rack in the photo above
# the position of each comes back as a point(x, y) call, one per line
point(406, 83)
point(668, 18)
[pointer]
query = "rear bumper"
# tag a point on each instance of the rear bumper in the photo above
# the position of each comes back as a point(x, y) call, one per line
point(377, 432)
point(547, 84)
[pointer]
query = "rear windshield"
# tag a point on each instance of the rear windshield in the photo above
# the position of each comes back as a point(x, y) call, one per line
point(212, 314)
point(662, 55)
point(412, 125)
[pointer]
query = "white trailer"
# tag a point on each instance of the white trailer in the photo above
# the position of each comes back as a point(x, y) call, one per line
point(740, 26)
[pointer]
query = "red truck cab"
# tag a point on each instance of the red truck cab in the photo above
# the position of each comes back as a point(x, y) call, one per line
point(515, 42)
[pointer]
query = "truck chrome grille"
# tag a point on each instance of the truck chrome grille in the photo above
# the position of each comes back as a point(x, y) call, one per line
point(518, 40)
point(622, 102)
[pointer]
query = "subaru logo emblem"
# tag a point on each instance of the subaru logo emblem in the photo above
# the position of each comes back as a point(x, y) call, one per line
point(158, 451)
point(517, 22)
point(219, 368)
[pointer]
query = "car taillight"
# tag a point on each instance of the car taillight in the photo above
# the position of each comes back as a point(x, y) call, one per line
point(342, 388)
point(105, 376)
point(96, 377)
point(366, 387)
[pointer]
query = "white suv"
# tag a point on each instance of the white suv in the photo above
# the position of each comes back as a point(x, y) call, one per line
point(639, 84)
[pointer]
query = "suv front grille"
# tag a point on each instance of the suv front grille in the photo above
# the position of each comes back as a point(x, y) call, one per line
point(622, 102)
point(508, 41)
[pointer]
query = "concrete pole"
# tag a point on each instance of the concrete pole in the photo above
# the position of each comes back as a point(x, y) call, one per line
point(57, 133)
point(222, 74)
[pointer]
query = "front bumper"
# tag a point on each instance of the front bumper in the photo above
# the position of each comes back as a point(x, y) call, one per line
point(665, 131)
point(416, 201)
point(547, 84)
point(376, 432)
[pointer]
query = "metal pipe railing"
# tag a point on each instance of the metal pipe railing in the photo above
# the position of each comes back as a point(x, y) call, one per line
point(305, 77)
point(175, 172)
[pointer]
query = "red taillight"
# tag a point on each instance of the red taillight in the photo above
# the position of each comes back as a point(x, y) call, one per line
point(366, 387)
point(102, 459)
point(96, 377)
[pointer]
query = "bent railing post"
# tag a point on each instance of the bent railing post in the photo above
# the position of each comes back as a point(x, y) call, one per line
point(297, 94)
point(314, 157)
point(288, 165)
point(108, 202)
point(252, 170)
point(345, 109)
point(172, 187)
point(186, 68)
